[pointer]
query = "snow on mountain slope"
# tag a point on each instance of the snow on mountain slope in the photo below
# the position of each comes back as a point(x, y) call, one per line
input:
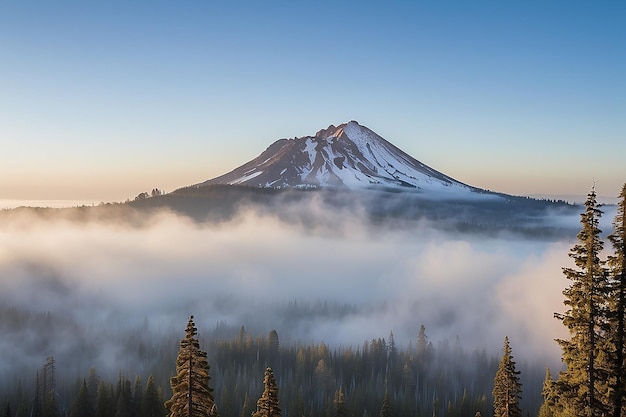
point(349, 155)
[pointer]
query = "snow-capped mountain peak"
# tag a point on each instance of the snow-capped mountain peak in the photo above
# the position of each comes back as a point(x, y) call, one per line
point(349, 155)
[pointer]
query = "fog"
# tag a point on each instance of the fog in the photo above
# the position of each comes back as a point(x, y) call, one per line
point(255, 270)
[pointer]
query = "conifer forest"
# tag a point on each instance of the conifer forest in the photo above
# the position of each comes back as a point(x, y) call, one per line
point(229, 369)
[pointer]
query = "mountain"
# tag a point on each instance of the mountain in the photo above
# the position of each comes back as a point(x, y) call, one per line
point(340, 173)
point(311, 180)
point(347, 156)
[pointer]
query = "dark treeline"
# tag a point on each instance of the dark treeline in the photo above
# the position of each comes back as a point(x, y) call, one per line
point(421, 379)
point(484, 213)
point(310, 376)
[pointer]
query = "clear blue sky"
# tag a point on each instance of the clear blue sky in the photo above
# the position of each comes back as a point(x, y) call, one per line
point(103, 100)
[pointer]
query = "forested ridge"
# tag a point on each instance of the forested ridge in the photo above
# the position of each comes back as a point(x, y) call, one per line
point(486, 213)
point(422, 375)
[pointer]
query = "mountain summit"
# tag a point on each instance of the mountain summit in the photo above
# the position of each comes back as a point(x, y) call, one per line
point(349, 155)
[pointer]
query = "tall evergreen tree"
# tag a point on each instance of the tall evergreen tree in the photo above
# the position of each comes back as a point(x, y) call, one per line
point(582, 387)
point(50, 407)
point(37, 406)
point(547, 407)
point(49, 377)
point(268, 405)
point(152, 404)
point(137, 397)
point(191, 394)
point(105, 407)
point(123, 406)
point(507, 389)
point(422, 343)
point(82, 404)
point(385, 408)
point(273, 349)
point(340, 404)
point(93, 382)
point(617, 268)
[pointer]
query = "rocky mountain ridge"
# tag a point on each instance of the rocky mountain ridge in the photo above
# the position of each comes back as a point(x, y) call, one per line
point(349, 155)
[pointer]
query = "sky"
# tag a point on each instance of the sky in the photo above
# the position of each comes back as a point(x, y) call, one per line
point(100, 101)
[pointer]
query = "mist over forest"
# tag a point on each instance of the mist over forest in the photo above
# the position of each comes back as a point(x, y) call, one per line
point(89, 285)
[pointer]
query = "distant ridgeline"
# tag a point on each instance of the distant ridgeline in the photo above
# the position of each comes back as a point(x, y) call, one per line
point(488, 213)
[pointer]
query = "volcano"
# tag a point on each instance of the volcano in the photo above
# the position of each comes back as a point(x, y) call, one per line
point(346, 156)
point(351, 169)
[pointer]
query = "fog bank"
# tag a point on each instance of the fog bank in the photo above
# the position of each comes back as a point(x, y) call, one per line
point(253, 269)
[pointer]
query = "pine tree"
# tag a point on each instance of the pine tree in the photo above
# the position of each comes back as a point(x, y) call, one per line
point(273, 349)
point(191, 394)
point(22, 402)
point(385, 408)
point(547, 407)
point(123, 405)
point(49, 403)
point(82, 405)
point(152, 404)
point(617, 267)
point(422, 343)
point(507, 389)
point(582, 389)
point(340, 404)
point(268, 405)
point(50, 407)
point(105, 407)
point(137, 397)
point(93, 381)
point(37, 408)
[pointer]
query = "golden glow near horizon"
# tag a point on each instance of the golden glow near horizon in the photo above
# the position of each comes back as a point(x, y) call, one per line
point(107, 176)
point(93, 107)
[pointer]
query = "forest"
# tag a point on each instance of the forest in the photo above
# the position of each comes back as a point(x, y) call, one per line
point(487, 212)
point(135, 370)
point(421, 379)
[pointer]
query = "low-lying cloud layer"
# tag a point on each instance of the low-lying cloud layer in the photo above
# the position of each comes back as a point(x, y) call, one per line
point(248, 270)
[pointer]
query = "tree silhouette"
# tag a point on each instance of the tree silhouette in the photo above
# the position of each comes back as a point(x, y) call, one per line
point(617, 267)
point(191, 394)
point(151, 402)
point(385, 408)
point(82, 406)
point(582, 387)
point(340, 404)
point(268, 405)
point(507, 389)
